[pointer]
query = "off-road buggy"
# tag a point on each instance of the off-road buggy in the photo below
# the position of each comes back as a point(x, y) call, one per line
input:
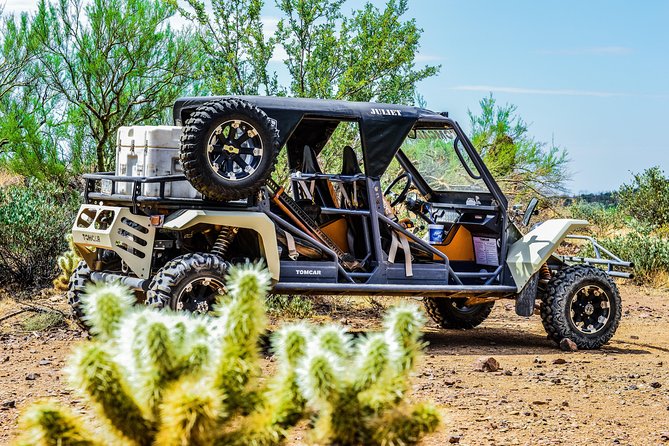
point(410, 210)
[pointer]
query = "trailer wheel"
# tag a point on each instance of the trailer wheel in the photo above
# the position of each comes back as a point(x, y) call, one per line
point(190, 282)
point(228, 149)
point(454, 314)
point(79, 280)
point(581, 303)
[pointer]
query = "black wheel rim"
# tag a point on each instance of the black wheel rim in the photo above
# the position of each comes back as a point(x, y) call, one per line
point(234, 150)
point(590, 309)
point(199, 295)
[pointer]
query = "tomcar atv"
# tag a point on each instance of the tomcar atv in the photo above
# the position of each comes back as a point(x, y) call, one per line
point(369, 199)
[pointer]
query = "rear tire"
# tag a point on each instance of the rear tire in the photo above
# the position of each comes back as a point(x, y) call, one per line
point(228, 149)
point(581, 303)
point(453, 314)
point(190, 282)
point(79, 280)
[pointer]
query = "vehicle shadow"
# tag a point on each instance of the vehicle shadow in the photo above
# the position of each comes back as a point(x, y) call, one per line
point(498, 341)
point(510, 341)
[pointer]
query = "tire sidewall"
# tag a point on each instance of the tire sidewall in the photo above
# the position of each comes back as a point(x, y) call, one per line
point(556, 306)
point(445, 313)
point(79, 280)
point(168, 283)
point(194, 154)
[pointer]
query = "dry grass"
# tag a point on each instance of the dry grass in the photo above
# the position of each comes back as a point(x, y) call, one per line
point(7, 178)
point(43, 321)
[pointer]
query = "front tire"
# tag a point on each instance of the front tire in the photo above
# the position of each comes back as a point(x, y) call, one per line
point(581, 303)
point(79, 280)
point(228, 149)
point(190, 282)
point(454, 314)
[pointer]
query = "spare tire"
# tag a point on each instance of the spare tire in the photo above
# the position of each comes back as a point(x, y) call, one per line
point(228, 149)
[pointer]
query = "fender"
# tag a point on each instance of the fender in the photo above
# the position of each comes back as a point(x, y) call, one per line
point(533, 250)
point(256, 221)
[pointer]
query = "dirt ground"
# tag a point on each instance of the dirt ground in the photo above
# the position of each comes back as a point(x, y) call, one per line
point(541, 396)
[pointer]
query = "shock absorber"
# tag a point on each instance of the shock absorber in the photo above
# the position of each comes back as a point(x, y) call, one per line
point(223, 241)
point(545, 272)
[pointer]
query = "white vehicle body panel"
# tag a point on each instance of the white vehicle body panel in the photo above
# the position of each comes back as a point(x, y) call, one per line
point(533, 250)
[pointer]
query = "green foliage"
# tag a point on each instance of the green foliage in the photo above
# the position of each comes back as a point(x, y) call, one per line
point(520, 164)
point(434, 156)
point(27, 144)
point(646, 198)
point(17, 48)
point(292, 306)
point(67, 262)
point(236, 51)
point(648, 251)
point(43, 321)
point(368, 56)
point(113, 62)
point(30, 136)
point(604, 220)
point(160, 377)
point(33, 218)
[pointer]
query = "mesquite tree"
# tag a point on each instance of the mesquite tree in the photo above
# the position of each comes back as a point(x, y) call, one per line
point(115, 62)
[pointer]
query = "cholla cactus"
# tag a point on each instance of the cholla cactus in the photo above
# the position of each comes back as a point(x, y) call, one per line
point(161, 377)
point(356, 391)
point(67, 262)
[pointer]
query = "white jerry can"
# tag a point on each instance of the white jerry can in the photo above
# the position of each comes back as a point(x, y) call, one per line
point(151, 151)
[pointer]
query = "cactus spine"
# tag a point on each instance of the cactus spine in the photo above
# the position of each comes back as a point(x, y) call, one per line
point(67, 262)
point(161, 377)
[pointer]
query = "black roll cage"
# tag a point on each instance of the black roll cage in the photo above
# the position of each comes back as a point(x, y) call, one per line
point(480, 283)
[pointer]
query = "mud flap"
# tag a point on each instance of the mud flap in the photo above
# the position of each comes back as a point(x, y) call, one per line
point(527, 296)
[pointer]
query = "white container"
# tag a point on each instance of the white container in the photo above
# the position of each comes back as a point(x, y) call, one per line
point(435, 233)
point(151, 151)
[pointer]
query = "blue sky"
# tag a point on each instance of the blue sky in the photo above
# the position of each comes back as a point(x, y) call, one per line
point(591, 75)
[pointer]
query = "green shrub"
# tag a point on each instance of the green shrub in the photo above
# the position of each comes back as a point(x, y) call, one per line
point(43, 321)
point(293, 306)
point(34, 216)
point(647, 198)
point(160, 377)
point(604, 220)
point(649, 252)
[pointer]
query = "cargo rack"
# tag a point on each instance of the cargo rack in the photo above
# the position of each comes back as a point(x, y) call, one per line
point(101, 187)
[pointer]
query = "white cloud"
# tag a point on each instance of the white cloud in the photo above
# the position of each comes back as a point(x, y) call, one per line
point(540, 91)
point(18, 6)
point(421, 57)
point(589, 51)
point(269, 24)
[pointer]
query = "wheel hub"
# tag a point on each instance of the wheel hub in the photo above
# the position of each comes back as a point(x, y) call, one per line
point(590, 309)
point(234, 150)
point(199, 295)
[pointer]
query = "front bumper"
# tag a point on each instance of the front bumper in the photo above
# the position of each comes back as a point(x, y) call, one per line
point(115, 228)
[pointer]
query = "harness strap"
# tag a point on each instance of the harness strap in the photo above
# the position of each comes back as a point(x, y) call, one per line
point(401, 241)
point(292, 249)
point(345, 197)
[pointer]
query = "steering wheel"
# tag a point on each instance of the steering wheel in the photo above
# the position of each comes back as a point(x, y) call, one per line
point(405, 191)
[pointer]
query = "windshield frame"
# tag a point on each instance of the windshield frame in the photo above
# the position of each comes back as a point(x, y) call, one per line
point(422, 185)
